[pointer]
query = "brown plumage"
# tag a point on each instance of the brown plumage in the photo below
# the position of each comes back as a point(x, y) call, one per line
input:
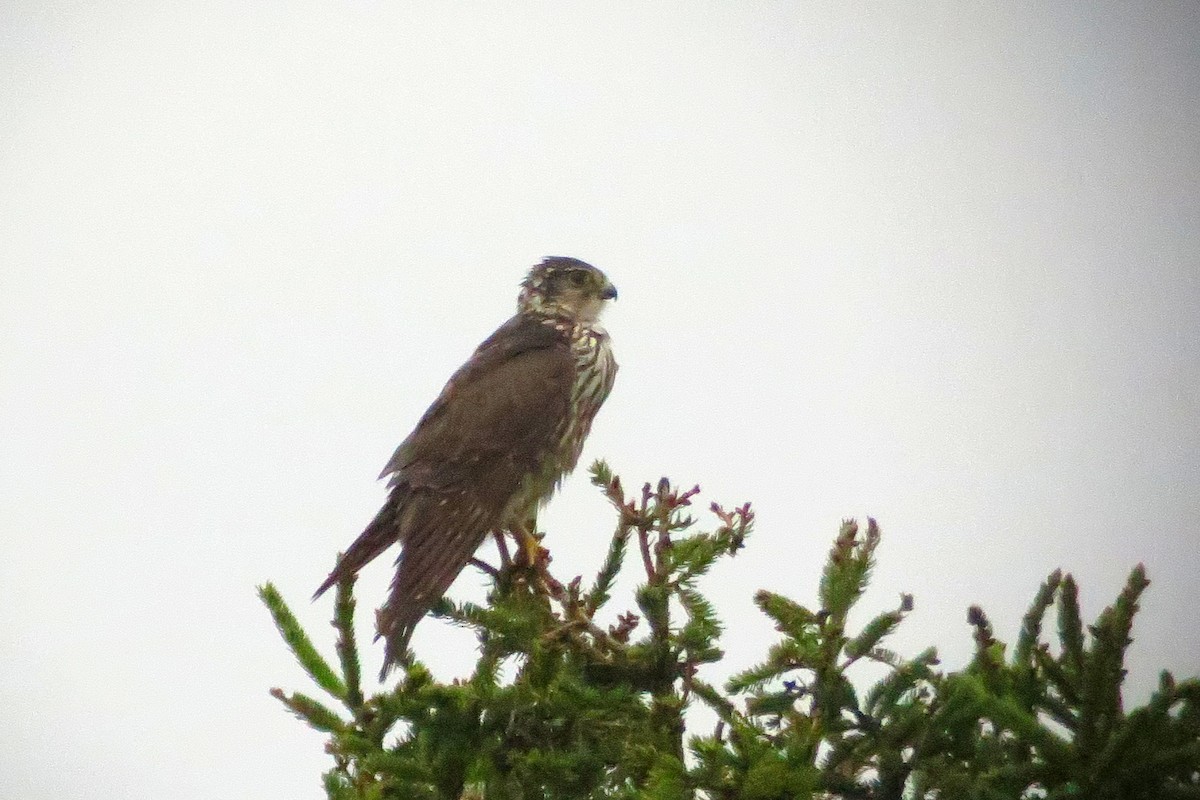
point(509, 424)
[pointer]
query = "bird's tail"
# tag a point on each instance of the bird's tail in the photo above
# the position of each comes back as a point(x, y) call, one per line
point(380, 534)
point(432, 558)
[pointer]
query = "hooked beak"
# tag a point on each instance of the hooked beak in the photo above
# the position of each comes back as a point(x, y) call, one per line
point(609, 292)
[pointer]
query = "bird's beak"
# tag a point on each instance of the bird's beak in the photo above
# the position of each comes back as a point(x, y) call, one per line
point(609, 292)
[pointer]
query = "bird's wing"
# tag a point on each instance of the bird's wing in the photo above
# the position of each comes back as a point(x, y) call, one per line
point(507, 402)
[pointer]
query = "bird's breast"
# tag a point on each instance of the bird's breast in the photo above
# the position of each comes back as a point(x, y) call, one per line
point(595, 369)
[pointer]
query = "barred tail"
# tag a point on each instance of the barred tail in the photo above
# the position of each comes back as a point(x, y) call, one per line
point(429, 563)
point(380, 534)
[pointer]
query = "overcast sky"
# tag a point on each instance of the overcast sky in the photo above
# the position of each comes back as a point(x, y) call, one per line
point(939, 265)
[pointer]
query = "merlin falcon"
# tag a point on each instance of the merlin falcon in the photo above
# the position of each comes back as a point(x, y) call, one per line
point(505, 430)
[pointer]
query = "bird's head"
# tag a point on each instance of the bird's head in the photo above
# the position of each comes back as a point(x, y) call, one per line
point(567, 288)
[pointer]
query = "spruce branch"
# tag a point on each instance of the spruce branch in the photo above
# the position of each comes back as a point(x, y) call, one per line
point(311, 711)
point(347, 647)
point(886, 694)
point(876, 630)
point(1070, 630)
point(1104, 672)
point(1031, 625)
point(299, 643)
point(848, 569)
point(790, 617)
point(598, 595)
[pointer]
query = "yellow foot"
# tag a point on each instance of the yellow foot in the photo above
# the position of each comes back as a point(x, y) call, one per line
point(530, 545)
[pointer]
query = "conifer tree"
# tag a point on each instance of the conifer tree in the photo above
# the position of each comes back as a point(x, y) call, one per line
point(593, 711)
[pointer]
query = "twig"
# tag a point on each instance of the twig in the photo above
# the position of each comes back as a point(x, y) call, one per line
point(480, 564)
point(644, 546)
point(502, 546)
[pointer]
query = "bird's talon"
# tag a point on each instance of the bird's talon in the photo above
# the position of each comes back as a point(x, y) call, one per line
point(530, 548)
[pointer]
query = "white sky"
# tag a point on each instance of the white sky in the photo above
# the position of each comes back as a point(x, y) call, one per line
point(936, 265)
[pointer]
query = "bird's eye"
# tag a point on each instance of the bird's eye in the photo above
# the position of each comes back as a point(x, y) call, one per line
point(579, 277)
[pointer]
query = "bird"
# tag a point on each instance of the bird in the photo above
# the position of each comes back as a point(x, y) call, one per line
point(501, 436)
